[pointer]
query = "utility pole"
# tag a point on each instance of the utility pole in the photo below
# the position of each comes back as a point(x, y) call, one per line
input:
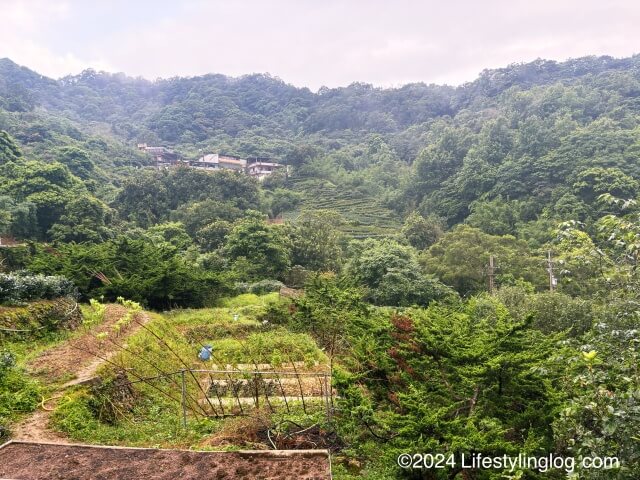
point(491, 274)
point(553, 281)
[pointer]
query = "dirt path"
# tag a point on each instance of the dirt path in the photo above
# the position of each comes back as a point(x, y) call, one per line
point(76, 362)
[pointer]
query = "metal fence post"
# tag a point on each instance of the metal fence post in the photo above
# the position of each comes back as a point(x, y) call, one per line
point(184, 400)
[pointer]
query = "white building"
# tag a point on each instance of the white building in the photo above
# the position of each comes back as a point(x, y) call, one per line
point(261, 169)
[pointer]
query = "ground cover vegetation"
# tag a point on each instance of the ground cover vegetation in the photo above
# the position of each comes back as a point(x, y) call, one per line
point(463, 261)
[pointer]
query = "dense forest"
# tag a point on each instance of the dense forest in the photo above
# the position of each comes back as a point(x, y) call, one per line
point(395, 203)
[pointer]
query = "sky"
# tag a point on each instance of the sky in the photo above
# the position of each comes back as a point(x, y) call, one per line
point(312, 43)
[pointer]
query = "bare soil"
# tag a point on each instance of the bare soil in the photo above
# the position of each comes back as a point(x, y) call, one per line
point(79, 357)
point(37, 461)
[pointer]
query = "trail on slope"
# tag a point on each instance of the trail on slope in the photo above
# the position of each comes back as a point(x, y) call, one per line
point(76, 361)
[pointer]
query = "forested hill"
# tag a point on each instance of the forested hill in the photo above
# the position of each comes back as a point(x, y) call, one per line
point(528, 143)
point(195, 109)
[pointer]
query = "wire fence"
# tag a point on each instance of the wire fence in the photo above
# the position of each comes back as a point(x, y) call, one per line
point(233, 392)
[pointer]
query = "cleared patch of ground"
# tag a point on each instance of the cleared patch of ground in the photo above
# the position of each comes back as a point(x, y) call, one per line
point(34, 461)
point(75, 360)
point(77, 357)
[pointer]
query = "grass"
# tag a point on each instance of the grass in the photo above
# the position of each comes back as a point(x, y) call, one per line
point(250, 300)
point(19, 392)
point(19, 395)
point(152, 423)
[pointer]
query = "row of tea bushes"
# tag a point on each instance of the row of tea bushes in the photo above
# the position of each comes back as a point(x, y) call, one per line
point(19, 287)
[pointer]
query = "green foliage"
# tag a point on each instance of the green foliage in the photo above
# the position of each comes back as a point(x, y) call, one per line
point(77, 160)
point(317, 241)
point(48, 187)
point(20, 286)
point(461, 257)
point(392, 275)
point(459, 382)
point(94, 313)
point(248, 299)
point(276, 347)
point(593, 182)
point(200, 197)
point(422, 232)
point(283, 200)
point(158, 423)
point(17, 218)
point(213, 235)
point(37, 319)
point(351, 196)
point(18, 393)
point(511, 155)
point(550, 312)
point(262, 287)
point(172, 233)
point(458, 378)
point(495, 217)
point(602, 417)
point(9, 151)
point(328, 301)
point(86, 219)
point(258, 250)
point(155, 275)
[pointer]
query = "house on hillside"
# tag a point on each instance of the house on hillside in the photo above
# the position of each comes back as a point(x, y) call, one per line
point(215, 161)
point(262, 168)
point(163, 156)
point(257, 167)
point(206, 162)
point(231, 162)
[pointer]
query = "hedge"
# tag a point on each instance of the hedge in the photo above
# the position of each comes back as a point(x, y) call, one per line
point(19, 287)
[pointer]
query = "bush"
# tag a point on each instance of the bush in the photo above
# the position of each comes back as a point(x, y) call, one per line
point(21, 287)
point(7, 361)
point(242, 287)
point(552, 312)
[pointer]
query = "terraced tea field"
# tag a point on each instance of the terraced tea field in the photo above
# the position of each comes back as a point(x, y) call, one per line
point(364, 215)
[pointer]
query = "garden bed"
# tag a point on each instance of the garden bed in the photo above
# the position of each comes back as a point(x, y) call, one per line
point(31, 461)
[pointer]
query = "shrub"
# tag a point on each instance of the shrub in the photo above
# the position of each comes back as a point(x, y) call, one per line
point(94, 313)
point(7, 361)
point(242, 287)
point(276, 347)
point(21, 287)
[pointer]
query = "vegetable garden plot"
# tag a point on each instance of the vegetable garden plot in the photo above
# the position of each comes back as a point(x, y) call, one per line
point(233, 392)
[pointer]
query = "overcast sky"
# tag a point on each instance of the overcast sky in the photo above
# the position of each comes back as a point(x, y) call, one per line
point(312, 42)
